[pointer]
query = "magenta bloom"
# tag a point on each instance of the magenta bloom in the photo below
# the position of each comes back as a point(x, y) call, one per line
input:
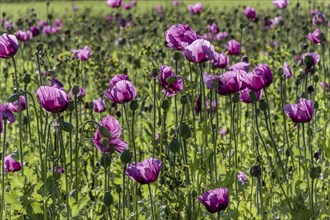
point(240, 66)
point(144, 172)
point(215, 200)
point(159, 9)
point(81, 93)
point(221, 36)
point(114, 3)
point(11, 165)
point(286, 70)
point(49, 30)
point(318, 18)
point(176, 2)
point(99, 105)
point(223, 132)
point(13, 106)
point(244, 95)
point(6, 114)
point(120, 91)
point(241, 176)
point(314, 37)
point(213, 28)
point(220, 60)
point(199, 51)
point(225, 84)
point(127, 6)
point(311, 59)
point(56, 83)
point(233, 47)
point(8, 24)
point(195, 9)
point(301, 112)
point(35, 31)
point(325, 86)
point(113, 126)
point(169, 87)
point(178, 34)
point(52, 99)
point(58, 24)
point(280, 3)
point(42, 23)
point(8, 46)
point(259, 78)
point(24, 35)
point(250, 12)
point(60, 170)
point(82, 54)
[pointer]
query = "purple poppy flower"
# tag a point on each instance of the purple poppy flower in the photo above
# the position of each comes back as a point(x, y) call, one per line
point(213, 28)
point(280, 3)
point(8, 46)
point(221, 36)
point(127, 6)
point(233, 47)
point(82, 54)
point(60, 170)
point(314, 37)
point(301, 112)
point(6, 114)
point(118, 78)
point(114, 3)
point(120, 91)
point(133, 2)
point(169, 81)
point(259, 78)
point(207, 36)
point(276, 21)
point(35, 31)
point(11, 165)
point(178, 34)
point(215, 200)
point(286, 70)
point(8, 24)
point(75, 8)
point(42, 23)
point(241, 176)
point(13, 106)
point(176, 2)
point(49, 30)
point(250, 12)
point(24, 35)
point(81, 93)
point(311, 59)
point(56, 83)
point(244, 95)
point(159, 9)
point(318, 18)
point(99, 105)
point(225, 84)
point(52, 99)
point(325, 86)
point(58, 24)
point(313, 11)
point(220, 60)
point(240, 66)
point(199, 51)
point(195, 9)
point(144, 172)
point(223, 132)
point(113, 126)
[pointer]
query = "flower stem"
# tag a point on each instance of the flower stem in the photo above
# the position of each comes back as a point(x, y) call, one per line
point(152, 204)
point(2, 204)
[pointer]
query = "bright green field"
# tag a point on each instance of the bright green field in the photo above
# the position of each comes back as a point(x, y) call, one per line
point(101, 8)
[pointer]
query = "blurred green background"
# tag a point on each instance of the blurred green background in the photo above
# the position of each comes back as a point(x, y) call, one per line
point(18, 7)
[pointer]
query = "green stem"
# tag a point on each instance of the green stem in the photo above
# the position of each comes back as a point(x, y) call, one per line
point(152, 204)
point(2, 205)
point(269, 158)
point(154, 119)
point(76, 147)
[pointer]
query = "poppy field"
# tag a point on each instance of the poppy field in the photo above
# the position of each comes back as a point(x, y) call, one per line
point(182, 110)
